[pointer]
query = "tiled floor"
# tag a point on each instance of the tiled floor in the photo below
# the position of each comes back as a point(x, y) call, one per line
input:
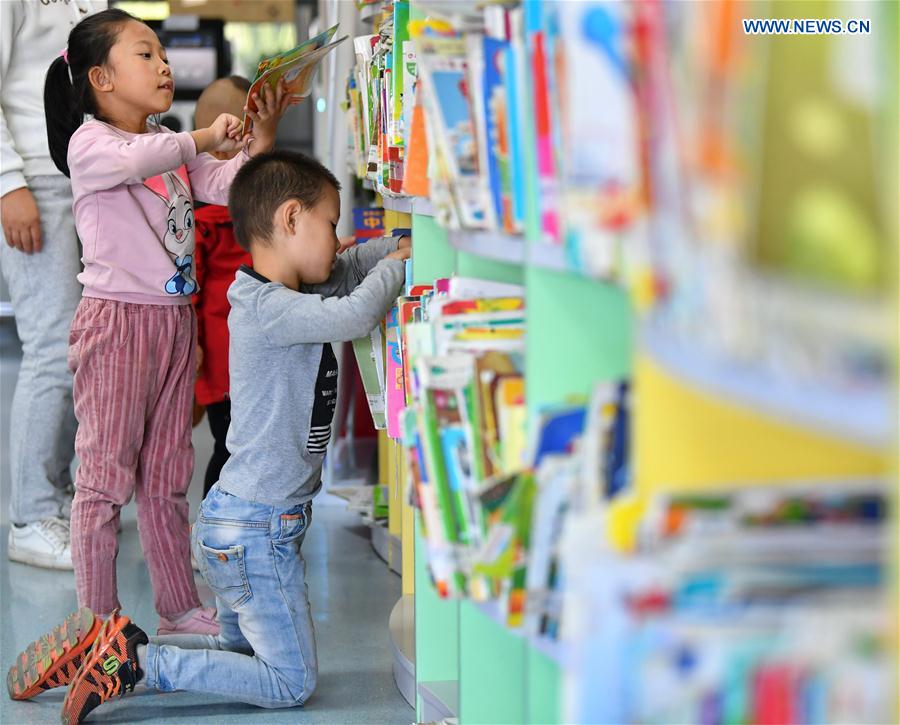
point(351, 590)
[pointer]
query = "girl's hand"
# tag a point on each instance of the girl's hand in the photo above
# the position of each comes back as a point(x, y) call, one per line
point(346, 243)
point(226, 133)
point(223, 135)
point(271, 106)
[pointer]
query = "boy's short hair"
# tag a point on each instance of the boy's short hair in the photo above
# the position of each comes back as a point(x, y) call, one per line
point(265, 182)
point(224, 95)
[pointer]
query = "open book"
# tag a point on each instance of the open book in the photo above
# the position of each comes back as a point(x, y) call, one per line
point(297, 66)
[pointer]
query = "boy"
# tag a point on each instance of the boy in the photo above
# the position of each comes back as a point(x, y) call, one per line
point(298, 297)
point(217, 258)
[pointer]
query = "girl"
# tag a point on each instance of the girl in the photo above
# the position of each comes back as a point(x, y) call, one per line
point(131, 346)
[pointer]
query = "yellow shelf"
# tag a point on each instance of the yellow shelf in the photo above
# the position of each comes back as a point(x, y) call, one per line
point(686, 438)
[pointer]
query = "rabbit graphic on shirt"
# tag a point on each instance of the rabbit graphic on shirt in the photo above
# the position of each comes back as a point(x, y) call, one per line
point(179, 236)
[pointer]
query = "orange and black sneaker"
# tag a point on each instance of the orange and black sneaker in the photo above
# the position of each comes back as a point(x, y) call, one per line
point(110, 670)
point(54, 659)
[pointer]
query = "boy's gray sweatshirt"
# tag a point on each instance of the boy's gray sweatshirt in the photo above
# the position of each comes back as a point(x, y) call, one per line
point(284, 373)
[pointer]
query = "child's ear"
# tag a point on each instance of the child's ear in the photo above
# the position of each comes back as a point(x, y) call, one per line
point(293, 217)
point(99, 79)
point(287, 216)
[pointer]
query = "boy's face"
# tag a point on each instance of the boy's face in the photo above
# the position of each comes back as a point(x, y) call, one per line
point(313, 245)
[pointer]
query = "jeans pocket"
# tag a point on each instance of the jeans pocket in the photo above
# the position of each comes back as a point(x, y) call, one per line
point(294, 523)
point(225, 572)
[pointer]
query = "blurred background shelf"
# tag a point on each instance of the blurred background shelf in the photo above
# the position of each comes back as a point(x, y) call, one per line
point(862, 416)
point(386, 545)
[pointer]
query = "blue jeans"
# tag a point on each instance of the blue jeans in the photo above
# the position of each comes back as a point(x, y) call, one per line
point(265, 653)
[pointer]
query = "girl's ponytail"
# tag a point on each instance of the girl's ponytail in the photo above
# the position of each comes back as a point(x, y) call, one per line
point(63, 111)
point(67, 90)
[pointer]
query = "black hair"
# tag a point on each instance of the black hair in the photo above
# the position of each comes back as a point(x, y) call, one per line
point(67, 90)
point(265, 182)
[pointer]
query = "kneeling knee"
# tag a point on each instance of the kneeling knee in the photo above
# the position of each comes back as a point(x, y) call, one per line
point(295, 691)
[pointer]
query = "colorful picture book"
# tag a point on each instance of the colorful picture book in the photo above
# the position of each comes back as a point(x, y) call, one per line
point(297, 66)
point(467, 107)
point(369, 352)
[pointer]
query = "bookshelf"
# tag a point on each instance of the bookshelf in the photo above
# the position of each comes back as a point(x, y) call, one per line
point(463, 641)
point(860, 416)
point(405, 204)
point(490, 245)
point(698, 423)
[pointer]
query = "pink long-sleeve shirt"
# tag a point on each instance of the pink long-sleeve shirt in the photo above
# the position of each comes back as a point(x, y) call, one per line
point(134, 210)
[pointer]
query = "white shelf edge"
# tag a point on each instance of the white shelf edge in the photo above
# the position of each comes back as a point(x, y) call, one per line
point(422, 206)
point(548, 257)
point(860, 417)
point(491, 245)
point(402, 204)
point(437, 692)
point(370, 12)
point(402, 631)
point(6, 309)
point(407, 204)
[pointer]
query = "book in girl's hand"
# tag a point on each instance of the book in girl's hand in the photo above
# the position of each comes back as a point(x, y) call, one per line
point(297, 67)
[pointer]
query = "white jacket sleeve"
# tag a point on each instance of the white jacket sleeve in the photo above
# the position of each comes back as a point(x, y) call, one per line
point(11, 164)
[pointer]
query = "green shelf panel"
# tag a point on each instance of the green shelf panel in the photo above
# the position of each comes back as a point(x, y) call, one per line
point(579, 333)
point(470, 265)
point(544, 691)
point(437, 628)
point(492, 663)
point(433, 256)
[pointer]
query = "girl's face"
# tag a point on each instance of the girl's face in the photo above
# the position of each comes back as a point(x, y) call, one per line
point(139, 70)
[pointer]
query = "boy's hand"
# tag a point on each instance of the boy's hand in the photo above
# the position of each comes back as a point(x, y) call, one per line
point(223, 135)
point(404, 242)
point(346, 243)
point(271, 106)
point(401, 254)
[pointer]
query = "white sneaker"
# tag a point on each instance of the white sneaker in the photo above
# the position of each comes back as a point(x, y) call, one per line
point(42, 543)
